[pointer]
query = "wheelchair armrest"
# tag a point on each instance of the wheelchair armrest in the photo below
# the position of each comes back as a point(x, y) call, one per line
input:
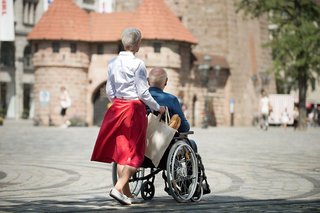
point(186, 133)
point(182, 135)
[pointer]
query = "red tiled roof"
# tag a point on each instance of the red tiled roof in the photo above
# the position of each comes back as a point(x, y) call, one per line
point(156, 21)
point(108, 27)
point(66, 21)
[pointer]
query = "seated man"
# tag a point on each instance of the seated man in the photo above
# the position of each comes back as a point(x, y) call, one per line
point(158, 80)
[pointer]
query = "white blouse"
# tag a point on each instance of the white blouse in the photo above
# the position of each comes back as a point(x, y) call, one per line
point(127, 79)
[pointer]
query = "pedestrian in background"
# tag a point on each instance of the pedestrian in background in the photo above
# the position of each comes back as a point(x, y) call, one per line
point(265, 109)
point(65, 103)
point(122, 136)
point(285, 118)
point(295, 117)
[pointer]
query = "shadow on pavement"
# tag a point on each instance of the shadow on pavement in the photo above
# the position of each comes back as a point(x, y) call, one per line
point(164, 204)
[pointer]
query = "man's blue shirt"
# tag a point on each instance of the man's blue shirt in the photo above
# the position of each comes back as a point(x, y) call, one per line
point(170, 101)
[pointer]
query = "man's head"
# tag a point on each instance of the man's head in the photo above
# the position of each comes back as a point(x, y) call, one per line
point(131, 38)
point(158, 78)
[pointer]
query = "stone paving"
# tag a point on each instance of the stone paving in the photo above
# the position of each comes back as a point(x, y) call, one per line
point(48, 169)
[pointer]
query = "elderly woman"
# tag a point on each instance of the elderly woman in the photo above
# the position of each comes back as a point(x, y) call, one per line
point(122, 136)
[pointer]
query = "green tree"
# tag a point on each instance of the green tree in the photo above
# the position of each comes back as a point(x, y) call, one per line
point(295, 43)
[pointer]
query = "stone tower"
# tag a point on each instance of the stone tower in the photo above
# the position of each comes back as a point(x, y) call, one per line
point(61, 58)
point(57, 64)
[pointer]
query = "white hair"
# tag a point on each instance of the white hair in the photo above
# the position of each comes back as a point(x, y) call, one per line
point(157, 77)
point(130, 38)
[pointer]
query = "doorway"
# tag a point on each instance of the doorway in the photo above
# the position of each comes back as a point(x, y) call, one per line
point(100, 103)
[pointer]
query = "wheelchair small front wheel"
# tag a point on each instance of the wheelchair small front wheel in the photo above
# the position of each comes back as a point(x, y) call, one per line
point(147, 190)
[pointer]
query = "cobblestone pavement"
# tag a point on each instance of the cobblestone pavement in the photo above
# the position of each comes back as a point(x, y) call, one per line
point(48, 169)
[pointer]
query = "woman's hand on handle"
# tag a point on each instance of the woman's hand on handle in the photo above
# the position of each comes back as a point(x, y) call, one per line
point(162, 110)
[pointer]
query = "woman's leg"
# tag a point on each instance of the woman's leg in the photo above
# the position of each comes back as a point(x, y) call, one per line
point(124, 173)
point(119, 170)
point(126, 189)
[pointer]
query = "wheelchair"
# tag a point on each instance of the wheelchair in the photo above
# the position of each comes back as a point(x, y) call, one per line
point(182, 170)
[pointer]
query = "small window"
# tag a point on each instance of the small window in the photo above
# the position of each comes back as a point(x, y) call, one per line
point(88, 1)
point(55, 47)
point(157, 47)
point(73, 47)
point(100, 49)
point(36, 47)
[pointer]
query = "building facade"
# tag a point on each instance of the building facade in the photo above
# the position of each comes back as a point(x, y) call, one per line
point(218, 71)
point(16, 67)
point(16, 70)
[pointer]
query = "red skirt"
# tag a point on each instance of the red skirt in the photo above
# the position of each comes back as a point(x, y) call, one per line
point(122, 135)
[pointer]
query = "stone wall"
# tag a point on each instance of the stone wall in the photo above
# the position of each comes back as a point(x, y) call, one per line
point(247, 58)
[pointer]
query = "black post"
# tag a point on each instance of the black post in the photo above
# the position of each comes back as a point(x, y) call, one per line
point(231, 109)
point(232, 119)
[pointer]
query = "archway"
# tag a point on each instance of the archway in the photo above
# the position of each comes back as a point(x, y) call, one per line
point(100, 103)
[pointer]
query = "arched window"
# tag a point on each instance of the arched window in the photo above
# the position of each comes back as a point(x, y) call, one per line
point(29, 11)
point(27, 58)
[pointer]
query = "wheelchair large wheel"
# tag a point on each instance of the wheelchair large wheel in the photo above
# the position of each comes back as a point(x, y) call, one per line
point(182, 171)
point(134, 184)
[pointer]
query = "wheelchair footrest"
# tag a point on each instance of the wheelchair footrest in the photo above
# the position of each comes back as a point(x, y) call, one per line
point(206, 188)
